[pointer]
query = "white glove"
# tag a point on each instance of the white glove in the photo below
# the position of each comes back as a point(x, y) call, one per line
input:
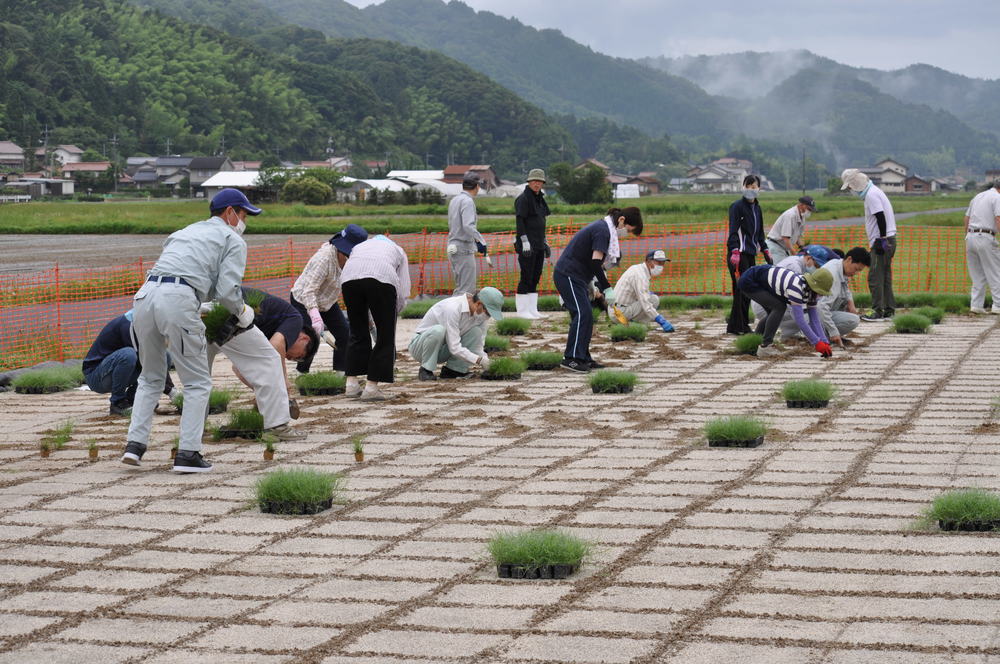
point(317, 321)
point(484, 361)
point(245, 317)
point(452, 249)
point(489, 260)
point(525, 244)
point(205, 308)
point(328, 338)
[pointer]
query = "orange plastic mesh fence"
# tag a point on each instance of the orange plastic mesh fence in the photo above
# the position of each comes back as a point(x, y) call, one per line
point(57, 313)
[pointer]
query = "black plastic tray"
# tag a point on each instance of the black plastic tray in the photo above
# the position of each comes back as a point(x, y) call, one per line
point(486, 376)
point(807, 404)
point(969, 526)
point(506, 571)
point(753, 442)
point(320, 391)
point(282, 507)
point(615, 389)
point(39, 390)
point(249, 434)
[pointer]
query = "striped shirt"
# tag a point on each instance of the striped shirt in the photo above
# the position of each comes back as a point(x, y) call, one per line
point(383, 260)
point(790, 286)
point(318, 287)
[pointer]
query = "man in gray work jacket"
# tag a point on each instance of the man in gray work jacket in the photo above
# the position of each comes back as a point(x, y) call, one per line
point(464, 239)
point(202, 262)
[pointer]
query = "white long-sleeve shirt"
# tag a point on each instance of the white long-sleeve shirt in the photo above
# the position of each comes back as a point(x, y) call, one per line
point(383, 260)
point(633, 286)
point(454, 315)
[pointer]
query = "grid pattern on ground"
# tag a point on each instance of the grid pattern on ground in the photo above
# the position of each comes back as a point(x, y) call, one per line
point(797, 551)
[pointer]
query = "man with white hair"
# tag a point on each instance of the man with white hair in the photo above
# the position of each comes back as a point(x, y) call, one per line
point(880, 225)
point(982, 220)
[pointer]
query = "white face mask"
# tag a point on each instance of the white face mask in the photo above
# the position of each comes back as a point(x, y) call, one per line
point(805, 215)
point(240, 227)
point(622, 232)
point(655, 270)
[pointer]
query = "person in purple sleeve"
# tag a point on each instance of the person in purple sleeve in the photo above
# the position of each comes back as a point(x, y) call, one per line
point(775, 288)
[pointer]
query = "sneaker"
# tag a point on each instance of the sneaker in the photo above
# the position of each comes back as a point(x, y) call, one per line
point(126, 411)
point(873, 316)
point(353, 394)
point(424, 374)
point(447, 373)
point(286, 433)
point(133, 453)
point(190, 462)
point(595, 365)
point(768, 351)
point(977, 310)
point(575, 365)
point(377, 395)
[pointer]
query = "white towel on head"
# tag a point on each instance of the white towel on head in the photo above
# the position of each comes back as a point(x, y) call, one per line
point(614, 249)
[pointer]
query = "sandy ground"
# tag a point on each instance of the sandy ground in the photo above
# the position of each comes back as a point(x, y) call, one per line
point(796, 551)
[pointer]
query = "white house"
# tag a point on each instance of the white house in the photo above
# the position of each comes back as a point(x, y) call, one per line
point(242, 180)
point(416, 175)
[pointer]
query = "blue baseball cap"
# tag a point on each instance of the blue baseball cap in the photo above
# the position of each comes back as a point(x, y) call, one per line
point(819, 254)
point(232, 198)
point(345, 240)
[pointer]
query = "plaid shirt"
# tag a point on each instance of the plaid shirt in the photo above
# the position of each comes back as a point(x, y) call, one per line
point(318, 287)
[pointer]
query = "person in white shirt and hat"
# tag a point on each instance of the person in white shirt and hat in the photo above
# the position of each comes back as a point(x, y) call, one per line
point(633, 296)
point(880, 225)
point(453, 332)
point(982, 253)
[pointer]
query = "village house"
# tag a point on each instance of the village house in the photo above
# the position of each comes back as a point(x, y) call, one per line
point(82, 171)
point(11, 156)
point(201, 169)
point(490, 180)
point(646, 181)
point(63, 154)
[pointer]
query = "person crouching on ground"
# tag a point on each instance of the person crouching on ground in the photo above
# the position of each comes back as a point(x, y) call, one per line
point(635, 301)
point(453, 331)
point(774, 288)
point(591, 249)
point(813, 257)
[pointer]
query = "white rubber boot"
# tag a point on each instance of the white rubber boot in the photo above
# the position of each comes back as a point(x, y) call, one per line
point(523, 305)
point(533, 306)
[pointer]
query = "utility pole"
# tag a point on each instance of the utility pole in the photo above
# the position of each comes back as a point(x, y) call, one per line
point(803, 169)
point(114, 163)
point(427, 160)
point(168, 146)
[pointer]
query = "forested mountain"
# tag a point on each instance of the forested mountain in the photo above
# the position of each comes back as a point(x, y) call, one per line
point(91, 70)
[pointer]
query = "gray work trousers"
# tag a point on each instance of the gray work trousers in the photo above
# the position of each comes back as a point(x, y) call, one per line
point(880, 279)
point(430, 348)
point(983, 257)
point(260, 365)
point(465, 269)
point(778, 250)
point(167, 313)
point(636, 312)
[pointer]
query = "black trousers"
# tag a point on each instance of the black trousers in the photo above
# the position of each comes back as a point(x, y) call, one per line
point(775, 308)
point(361, 297)
point(739, 315)
point(531, 271)
point(333, 320)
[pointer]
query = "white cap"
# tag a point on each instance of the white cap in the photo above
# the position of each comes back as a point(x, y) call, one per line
point(854, 179)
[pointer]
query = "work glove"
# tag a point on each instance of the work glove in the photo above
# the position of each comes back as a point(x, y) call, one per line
point(205, 308)
point(452, 249)
point(547, 250)
point(245, 317)
point(481, 248)
point(734, 259)
point(767, 257)
point(663, 323)
point(525, 246)
point(884, 243)
point(879, 246)
point(484, 361)
point(329, 339)
point(823, 348)
point(317, 321)
point(609, 295)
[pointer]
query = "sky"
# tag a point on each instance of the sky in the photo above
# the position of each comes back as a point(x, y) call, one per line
point(958, 35)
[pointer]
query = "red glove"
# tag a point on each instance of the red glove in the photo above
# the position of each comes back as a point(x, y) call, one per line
point(823, 348)
point(767, 257)
point(734, 259)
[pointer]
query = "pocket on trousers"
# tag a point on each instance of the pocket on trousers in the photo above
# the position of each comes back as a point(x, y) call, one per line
point(193, 343)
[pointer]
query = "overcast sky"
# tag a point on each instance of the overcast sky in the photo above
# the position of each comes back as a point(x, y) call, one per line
point(962, 36)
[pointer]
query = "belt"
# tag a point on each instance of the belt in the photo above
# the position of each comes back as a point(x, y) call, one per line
point(169, 280)
point(982, 230)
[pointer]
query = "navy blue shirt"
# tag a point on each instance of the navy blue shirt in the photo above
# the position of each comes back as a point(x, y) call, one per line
point(117, 334)
point(576, 259)
point(746, 227)
point(277, 315)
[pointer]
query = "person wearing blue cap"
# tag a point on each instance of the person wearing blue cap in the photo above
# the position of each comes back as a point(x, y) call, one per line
point(202, 262)
point(316, 293)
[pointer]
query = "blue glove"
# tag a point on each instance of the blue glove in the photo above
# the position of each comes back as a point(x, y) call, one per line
point(663, 323)
point(609, 295)
point(481, 248)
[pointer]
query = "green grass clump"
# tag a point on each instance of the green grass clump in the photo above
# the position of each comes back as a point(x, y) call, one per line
point(297, 485)
point(736, 427)
point(505, 367)
point(320, 380)
point(916, 299)
point(495, 343)
point(952, 302)
point(630, 332)
point(218, 400)
point(53, 378)
point(910, 323)
point(963, 506)
point(711, 302)
point(863, 300)
point(358, 443)
point(214, 320)
point(808, 390)
point(934, 314)
point(58, 437)
point(242, 420)
point(747, 344)
point(549, 303)
point(537, 548)
point(608, 381)
point(512, 326)
point(541, 359)
point(509, 304)
point(417, 309)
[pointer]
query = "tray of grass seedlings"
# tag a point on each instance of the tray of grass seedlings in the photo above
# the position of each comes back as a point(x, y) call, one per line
point(510, 327)
point(970, 510)
point(933, 314)
point(607, 381)
point(243, 423)
point(49, 380)
point(735, 431)
point(549, 303)
point(218, 401)
point(541, 360)
point(630, 332)
point(504, 368)
point(910, 323)
point(417, 309)
point(809, 393)
point(320, 383)
point(747, 344)
point(297, 491)
point(494, 343)
point(537, 554)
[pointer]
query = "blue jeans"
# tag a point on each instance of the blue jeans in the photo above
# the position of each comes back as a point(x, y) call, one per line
point(576, 297)
point(118, 373)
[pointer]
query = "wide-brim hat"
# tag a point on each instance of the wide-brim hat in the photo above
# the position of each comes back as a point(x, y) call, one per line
point(820, 281)
point(536, 174)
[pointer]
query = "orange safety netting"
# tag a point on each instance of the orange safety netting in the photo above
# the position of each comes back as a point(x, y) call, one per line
point(57, 313)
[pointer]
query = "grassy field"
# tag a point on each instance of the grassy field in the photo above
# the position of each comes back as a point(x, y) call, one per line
point(165, 216)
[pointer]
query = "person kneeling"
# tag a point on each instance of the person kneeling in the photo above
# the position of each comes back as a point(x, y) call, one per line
point(453, 332)
point(635, 300)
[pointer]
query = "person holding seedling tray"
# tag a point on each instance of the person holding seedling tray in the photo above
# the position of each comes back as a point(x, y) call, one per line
point(775, 288)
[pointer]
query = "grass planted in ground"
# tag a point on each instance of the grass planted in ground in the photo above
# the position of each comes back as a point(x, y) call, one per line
point(218, 399)
point(506, 367)
point(538, 548)
point(747, 344)
point(630, 332)
point(541, 359)
point(963, 506)
point(933, 314)
point(687, 302)
point(297, 485)
point(244, 420)
point(320, 380)
point(910, 323)
point(513, 326)
point(549, 303)
point(58, 437)
point(808, 390)
point(607, 380)
point(58, 378)
point(735, 427)
point(417, 309)
point(495, 343)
